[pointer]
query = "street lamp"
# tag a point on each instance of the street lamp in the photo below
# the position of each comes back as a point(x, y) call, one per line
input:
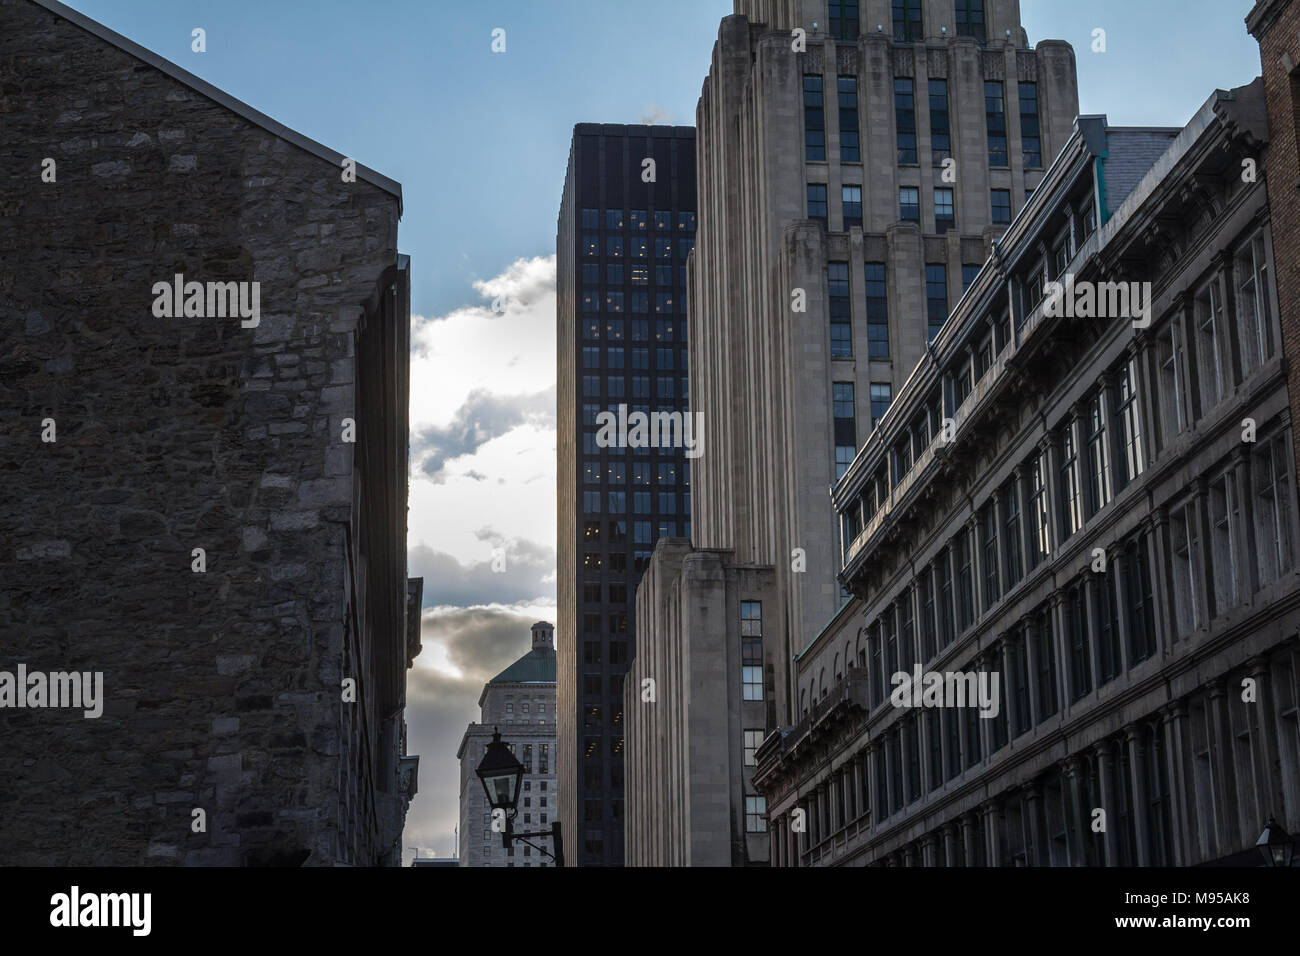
point(1275, 845)
point(501, 775)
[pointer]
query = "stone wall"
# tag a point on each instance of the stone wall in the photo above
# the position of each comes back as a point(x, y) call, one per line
point(221, 689)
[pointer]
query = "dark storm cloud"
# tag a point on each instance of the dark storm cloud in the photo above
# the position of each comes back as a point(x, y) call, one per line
point(528, 575)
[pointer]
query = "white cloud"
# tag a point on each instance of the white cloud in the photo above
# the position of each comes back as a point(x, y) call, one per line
point(483, 417)
point(482, 477)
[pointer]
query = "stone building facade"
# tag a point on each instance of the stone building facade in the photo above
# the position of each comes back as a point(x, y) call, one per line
point(207, 509)
point(520, 704)
point(850, 188)
point(1098, 509)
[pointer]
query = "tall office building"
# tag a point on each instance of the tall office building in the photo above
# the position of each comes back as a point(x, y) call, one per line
point(626, 226)
point(519, 703)
point(856, 163)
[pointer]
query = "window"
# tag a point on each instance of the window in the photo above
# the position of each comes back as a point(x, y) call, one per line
point(907, 23)
point(1270, 465)
point(814, 119)
point(936, 297)
point(1253, 312)
point(817, 201)
point(881, 397)
point(1185, 548)
point(947, 619)
point(663, 248)
point(1045, 648)
point(877, 311)
point(1013, 537)
point(751, 643)
point(905, 120)
point(940, 135)
point(1209, 322)
point(591, 244)
point(968, 275)
point(591, 219)
point(755, 814)
point(944, 215)
point(837, 281)
point(909, 204)
point(995, 115)
point(1105, 612)
point(1030, 137)
point(753, 738)
point(1076, 632)
point(965, 583)
point(845, 428)
point(1098, 455)
point(988, 525)
point(970, 19)
point(638, 247)
point(663, 304)
point(1139, 601)
point(614, 247)
point(843, 16)
point(1224, 515)
point(852, 196)
point(1071, 493)
point(1001, 206)
point(1128, 420)
point(850, 144)
point(1173, 403)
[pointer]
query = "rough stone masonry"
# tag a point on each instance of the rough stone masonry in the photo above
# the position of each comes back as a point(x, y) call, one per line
point(128, 441)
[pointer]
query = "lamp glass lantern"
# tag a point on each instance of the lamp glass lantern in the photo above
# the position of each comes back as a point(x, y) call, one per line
point(1275, 844)
point(501, 774)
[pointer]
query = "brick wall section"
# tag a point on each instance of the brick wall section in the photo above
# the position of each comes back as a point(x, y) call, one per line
point(1276, 25)
point(221, 688)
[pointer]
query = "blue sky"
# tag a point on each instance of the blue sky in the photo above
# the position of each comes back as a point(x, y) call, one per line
point(479, 142)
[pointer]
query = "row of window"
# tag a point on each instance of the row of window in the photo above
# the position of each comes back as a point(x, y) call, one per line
point(638, 219)
point(635, 330)
point(616, 274)
point(906, 20)
point(617, 561)
point(636, 247)
point(592, 773)
point(905, 124)
point(525, 704)
point(637, 358)
point(640, 474)
point(616, 387)
point(592, 684)
point(909, 205)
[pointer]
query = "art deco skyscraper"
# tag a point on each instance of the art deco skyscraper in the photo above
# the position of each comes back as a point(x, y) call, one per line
point(856, 163)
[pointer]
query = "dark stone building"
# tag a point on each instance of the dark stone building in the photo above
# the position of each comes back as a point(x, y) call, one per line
point(623, 236)
point(205, 511)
